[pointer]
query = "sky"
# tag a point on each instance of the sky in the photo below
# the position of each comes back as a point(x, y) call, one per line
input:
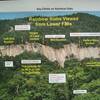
point(13, 15)
point(30, 5)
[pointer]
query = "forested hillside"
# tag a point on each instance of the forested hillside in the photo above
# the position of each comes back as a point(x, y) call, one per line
point(23, 83)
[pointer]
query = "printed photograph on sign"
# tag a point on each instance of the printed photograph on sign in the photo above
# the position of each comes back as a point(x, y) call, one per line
point(55, 55)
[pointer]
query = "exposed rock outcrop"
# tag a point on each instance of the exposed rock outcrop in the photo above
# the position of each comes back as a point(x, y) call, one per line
point(52, 54)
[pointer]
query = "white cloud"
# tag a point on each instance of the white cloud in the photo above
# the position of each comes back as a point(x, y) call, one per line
point(29, 5)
